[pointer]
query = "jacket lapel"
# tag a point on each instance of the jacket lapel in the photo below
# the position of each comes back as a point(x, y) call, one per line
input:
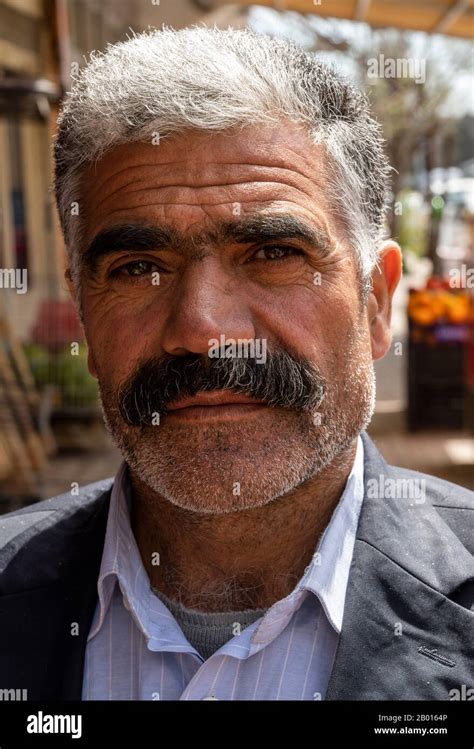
point(402, 636)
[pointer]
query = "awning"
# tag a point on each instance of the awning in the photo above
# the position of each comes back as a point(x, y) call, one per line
point(452, 17)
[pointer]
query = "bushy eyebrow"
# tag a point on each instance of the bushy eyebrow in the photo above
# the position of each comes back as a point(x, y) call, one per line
point(247, 230)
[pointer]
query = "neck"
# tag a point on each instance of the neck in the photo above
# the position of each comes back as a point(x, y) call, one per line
point(241, 560)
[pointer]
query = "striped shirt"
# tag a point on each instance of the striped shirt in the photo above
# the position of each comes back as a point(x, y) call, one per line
point(137, 651)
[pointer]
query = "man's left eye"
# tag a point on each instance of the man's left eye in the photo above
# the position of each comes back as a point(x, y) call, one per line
point(137, 268)
point(276, 252)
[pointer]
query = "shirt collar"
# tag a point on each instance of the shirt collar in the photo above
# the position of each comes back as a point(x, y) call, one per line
point(328, 573)
point(326, 576)
point(122, 565)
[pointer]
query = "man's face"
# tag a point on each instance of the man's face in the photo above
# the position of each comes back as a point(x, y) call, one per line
point(150, 299)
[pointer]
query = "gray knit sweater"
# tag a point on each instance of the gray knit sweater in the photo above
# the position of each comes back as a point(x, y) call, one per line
point(207, 632)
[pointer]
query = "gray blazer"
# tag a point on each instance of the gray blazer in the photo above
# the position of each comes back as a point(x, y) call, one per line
point(408, 626)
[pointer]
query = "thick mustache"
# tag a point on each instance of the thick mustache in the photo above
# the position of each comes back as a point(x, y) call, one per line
point(283, 381)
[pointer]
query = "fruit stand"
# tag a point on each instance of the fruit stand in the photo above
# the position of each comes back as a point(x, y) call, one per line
point(440, 339)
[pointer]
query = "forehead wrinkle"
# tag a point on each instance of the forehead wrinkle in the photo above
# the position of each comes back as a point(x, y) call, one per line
point(157, 188)
point(279, 193)
point(278, 187)
point(253, 156)
point(278, 166)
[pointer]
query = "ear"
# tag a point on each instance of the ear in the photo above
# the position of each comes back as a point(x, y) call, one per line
point(385, 278)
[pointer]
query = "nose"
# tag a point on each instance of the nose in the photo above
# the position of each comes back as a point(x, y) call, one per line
point(208, 303)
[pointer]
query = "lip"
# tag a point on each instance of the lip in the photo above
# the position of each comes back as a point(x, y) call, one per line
point(214, 405)
point(214, 399)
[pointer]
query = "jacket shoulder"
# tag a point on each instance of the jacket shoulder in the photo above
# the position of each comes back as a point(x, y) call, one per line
point(436, 491)
point(20, 526)
point(453, 503)
point(440, 492)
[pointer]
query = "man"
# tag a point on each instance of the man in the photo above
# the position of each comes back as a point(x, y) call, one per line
point(222, 198)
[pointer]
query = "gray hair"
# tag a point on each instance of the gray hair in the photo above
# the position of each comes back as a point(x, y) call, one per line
point(166, 81)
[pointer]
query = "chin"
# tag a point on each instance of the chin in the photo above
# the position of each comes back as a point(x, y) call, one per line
point(221, 482)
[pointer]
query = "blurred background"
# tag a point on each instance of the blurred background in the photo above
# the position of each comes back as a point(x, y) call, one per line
point(414, 60)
